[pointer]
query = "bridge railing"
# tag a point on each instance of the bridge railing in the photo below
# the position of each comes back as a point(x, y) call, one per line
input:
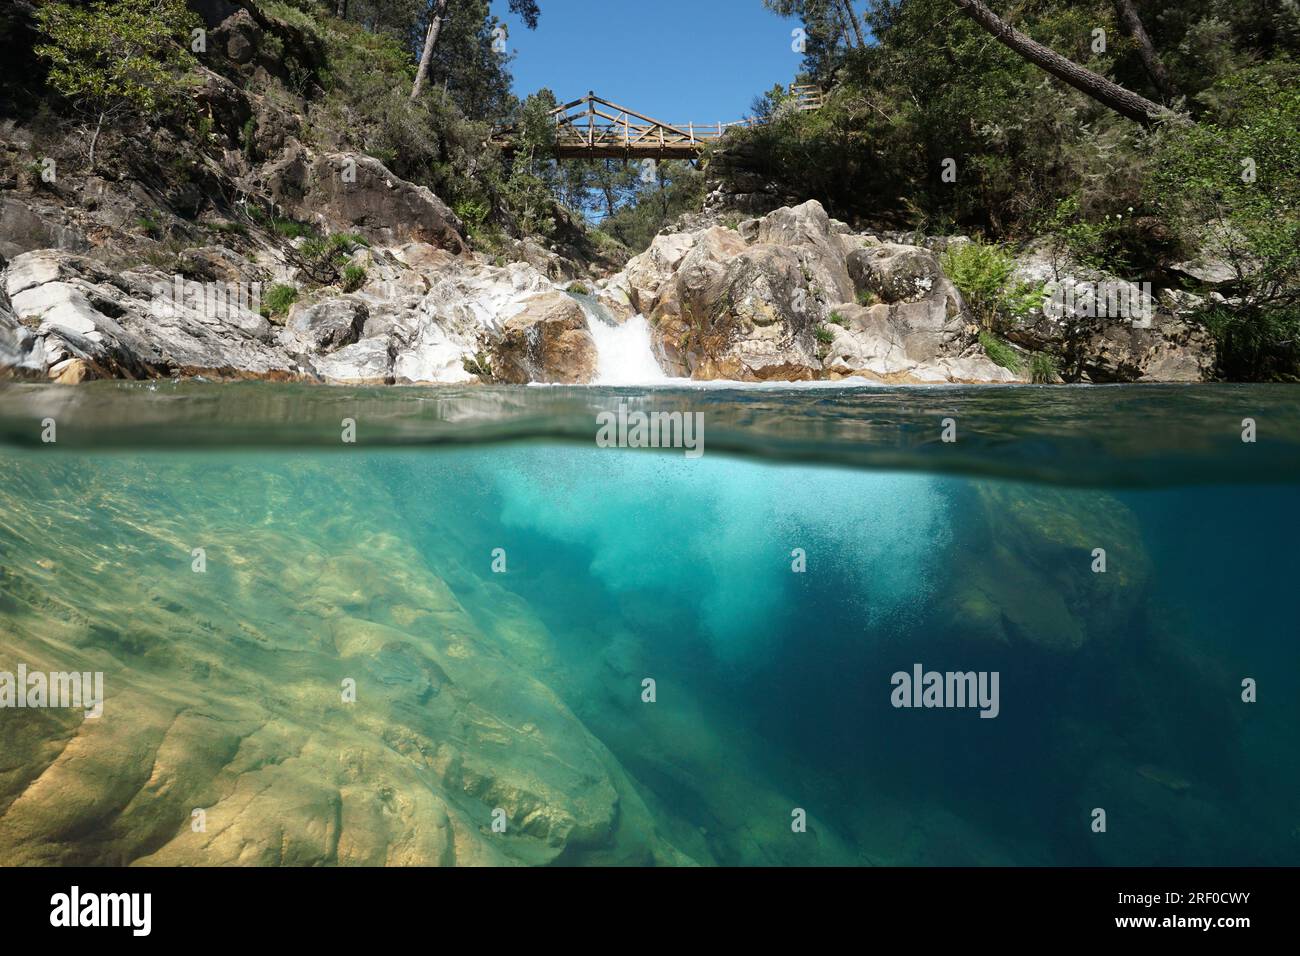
point(595, 127)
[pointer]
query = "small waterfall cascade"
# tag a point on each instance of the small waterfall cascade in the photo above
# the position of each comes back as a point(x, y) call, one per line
point(624, 353)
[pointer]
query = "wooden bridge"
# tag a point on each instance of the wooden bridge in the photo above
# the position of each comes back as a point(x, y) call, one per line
point(595, 128)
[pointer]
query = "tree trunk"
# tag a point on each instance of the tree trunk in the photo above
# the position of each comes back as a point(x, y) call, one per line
point(854, 22)
point(341, 9)
point(1106, 92)
point(437, 12)
point(1128, 16)
point(837, 23)
point(94, 139)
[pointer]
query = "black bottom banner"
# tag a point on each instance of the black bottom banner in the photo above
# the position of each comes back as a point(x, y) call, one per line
point(333, 906)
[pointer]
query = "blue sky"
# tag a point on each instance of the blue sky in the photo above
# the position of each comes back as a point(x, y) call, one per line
point(678, 61)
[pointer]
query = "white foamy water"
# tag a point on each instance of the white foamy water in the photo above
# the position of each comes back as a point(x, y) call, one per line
point(624, 354)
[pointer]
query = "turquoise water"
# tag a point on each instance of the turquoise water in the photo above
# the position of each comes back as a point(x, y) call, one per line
point(498, 589)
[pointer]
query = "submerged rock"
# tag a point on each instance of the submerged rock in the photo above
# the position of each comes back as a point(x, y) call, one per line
point(1025, 572)
point(227, 737)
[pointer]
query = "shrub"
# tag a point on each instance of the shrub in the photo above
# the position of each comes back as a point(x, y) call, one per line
point(149, 226)
point(983, 273)
point(1231, 190)
point(290, 229)
point(824, 335)
point(1042, 368)
point(324, 260)
point(354, 277)
point(228, 228)
point(117, 59)
point(1000, 353)
point(480, 364)
point(277, 299)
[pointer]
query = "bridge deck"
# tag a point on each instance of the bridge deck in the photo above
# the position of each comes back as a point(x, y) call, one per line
point(594, 128)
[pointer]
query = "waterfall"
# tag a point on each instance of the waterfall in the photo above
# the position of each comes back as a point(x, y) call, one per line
point(624, 355)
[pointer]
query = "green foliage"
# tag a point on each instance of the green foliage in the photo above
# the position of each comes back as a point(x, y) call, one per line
point(984, 274)
point(1259, 343)
point(1231, 190)
point(289, 228)
point(479, 364)
point(149, 226)
point(354, 277)
point(228, 228)
point(246, 137)
point(277, 299)
point(866, 297)
point(530, 189)
point(474, 213)
point(325, 259)
point(1000, 353)
point(931, 86)
point(126, 56)
point(837, 319)
point(823, 335)
point(1110, 244)
point(661, 194)
point(577, 288)
point(1042, 368)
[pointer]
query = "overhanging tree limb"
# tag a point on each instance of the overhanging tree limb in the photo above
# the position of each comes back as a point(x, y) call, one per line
point(1128, 16)
point(1106, 92)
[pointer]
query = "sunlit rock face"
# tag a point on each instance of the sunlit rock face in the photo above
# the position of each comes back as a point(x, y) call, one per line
point(778, 300)
point(546, 340)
